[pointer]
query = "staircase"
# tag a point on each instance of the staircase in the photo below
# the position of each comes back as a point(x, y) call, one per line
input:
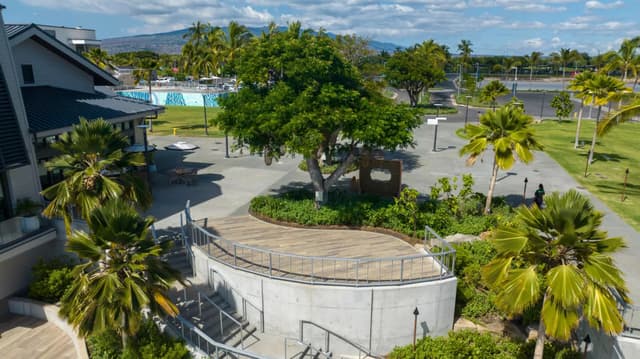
point(207, 310)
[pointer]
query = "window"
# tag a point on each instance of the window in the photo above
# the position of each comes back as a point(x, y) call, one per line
point(5, 205)
point(27, 74)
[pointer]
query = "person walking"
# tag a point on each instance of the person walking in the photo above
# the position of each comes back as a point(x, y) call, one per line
point(538, 196)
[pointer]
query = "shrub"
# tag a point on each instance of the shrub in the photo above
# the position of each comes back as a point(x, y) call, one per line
point(329, 169)
point(50, 279)
point(149, 343)
point(479, 306)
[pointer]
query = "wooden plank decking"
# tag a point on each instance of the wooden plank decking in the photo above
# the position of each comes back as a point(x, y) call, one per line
point(293, 246)
point(28, 337)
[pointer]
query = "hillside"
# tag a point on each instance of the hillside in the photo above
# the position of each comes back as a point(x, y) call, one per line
point(171, 42)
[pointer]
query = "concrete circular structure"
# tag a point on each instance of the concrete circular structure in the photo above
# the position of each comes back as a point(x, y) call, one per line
point(355, 293)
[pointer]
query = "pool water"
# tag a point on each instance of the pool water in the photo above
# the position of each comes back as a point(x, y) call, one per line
point(164, 98)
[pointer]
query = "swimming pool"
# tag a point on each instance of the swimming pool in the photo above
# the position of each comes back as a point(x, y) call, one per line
point(165, 98)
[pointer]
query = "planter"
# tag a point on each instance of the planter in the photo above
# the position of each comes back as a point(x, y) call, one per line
point(29, 224)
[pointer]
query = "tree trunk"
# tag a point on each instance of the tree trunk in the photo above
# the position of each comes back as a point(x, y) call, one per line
point(492, 185)
point(539, 350)
point(413, 101)
point(575, 145)
point(320, 184)
point(593, 142)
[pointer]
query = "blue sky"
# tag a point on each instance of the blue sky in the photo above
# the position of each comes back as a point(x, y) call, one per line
point(501, 27)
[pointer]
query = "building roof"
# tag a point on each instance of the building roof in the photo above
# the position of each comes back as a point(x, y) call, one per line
point(12, 147)
point(20, 32)
point(52, 110)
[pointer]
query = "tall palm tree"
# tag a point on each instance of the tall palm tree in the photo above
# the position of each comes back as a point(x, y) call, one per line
point(464, 47)
point(602, 89)
point(198, 57)
point(94, 166)
point(563, 58)
point(491, 91)
point(578, 85)
point(558, 256)
point(229, 44)
point(625, 58)
point(532, 60)
point(122, 273)
point(508, 132)
point(99, 58)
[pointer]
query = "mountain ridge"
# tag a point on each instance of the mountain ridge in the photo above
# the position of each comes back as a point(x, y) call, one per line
point(171, 42)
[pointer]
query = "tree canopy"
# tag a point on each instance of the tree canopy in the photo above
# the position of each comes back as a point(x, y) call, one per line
point(417, 68)
point(299, 95)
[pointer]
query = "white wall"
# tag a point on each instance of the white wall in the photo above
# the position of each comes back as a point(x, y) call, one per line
point(382, 314)
point(50, 69)
point(23, 183)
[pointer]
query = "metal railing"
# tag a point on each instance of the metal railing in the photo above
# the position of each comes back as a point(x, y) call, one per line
point(304, 350)
point(631, 316)
point(329, 333)
point(203, 343)
point(226, 290)
point(438, 262)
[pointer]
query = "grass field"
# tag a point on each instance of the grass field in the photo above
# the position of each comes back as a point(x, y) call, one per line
point(614, 153)
point(189, 121)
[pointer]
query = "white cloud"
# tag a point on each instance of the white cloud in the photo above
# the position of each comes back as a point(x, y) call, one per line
point(535, 43)
point(602, 5)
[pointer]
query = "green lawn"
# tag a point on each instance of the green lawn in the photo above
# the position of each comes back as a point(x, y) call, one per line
point(614, 153)
point(189, 121)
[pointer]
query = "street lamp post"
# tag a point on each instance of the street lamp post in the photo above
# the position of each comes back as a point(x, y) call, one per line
point(477, 74)
point(204, 106)
point(226, 144)
point(524, 193)
point(415, 326)
point(459, 78)
point(146, 152)
point(437, 105)
point(542, 106)
point(466, 113)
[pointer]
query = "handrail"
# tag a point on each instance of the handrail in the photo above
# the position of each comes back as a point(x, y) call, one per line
point(307, 347)
point(210, 343)
point(329, 332)
point(244, 300)
point(329, 270)
point(223, 312)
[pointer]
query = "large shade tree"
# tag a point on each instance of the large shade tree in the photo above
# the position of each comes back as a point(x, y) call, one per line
point(122, 273)
point(508, 133)
point(96, 169)
point(558, 257)
point(416, 69)
point(301, 96)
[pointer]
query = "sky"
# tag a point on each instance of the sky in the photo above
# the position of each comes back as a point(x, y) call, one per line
point(495, 27)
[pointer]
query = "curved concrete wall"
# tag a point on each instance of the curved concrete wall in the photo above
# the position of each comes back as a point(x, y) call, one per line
point(377, 318)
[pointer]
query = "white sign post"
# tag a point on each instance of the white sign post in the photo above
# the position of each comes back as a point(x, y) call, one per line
point(434, 122)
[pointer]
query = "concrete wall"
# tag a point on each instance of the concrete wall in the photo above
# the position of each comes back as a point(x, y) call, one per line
point(48, 312)
point(22, 183)
point(378, 318)
point(15, 265)
point(50, 69)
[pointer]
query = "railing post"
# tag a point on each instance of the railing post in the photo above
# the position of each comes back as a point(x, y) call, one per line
point(357, 269)
point(270, 265)
point(235, 257)
point(221, 326)
point(302, 331)
point(401, 269)
point(326, 343)
point(199, 305)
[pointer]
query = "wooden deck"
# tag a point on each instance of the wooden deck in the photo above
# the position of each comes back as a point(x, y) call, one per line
point(342, 256)
point(28, 337)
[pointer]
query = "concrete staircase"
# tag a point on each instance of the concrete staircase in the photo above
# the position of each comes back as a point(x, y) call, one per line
point(205, 309)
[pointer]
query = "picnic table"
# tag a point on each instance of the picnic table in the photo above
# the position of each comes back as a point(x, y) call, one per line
point(186, 175)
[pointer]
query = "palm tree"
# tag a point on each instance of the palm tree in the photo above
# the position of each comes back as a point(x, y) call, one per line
point(558, 256)
point(564, 57)
point(230, 43)
point(90, 154)
point(507, 130)
point(532, 60)
point(624, 114)
point(197, 55)
point(465, 52)
point(625, 58)
point(491, 91)
point(99, 57)
point(602, 89)
point(578, 85)
point(122, 273)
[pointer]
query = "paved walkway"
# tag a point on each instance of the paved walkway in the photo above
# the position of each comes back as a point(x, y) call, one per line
point(28, 337)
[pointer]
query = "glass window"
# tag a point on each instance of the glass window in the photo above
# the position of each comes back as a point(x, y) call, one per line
point(5, 201)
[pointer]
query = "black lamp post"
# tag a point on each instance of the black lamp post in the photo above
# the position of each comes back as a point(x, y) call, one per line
point(204, 106)
point(146, 151)
point(466, 114)
point(437, 105)
point(415, 326)
point(542, 106)
point(524, 193)
point(587, 341)
point(624, 190)
point(226, 145)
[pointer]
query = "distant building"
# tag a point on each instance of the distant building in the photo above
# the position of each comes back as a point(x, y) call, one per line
point(77, 38)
